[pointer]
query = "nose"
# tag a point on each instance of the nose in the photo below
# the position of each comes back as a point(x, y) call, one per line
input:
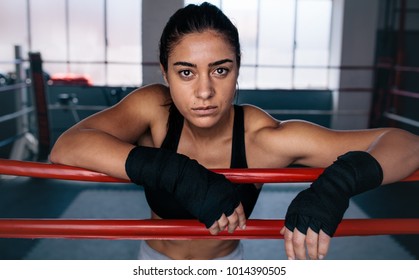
point(205, 89)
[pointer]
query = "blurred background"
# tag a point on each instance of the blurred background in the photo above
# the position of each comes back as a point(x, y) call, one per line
point(343, 64)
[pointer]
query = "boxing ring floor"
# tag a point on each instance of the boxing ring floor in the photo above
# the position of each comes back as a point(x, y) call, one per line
point(23, 197)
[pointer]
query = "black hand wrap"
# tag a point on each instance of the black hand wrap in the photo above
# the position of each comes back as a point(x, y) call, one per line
point(323, 204)
point(205, 194)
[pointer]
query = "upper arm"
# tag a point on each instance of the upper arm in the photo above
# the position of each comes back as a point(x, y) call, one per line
point(279, 144)
point(318, 146)
point(102, 141)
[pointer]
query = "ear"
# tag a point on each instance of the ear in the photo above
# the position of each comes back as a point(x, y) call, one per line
point(164, 74)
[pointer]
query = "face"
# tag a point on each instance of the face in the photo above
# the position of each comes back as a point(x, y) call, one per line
point(202, 74)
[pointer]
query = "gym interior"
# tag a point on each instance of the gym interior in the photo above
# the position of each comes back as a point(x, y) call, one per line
point(342, 64)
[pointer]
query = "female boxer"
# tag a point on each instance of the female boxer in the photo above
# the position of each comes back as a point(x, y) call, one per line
point(166, 137)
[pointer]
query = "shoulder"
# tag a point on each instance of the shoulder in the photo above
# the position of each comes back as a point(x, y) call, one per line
point(145, 111)
point(259, 121)
point(145, 102)
point(155, 93)
point(262, 139)
point(256, 118)
point(275, 143)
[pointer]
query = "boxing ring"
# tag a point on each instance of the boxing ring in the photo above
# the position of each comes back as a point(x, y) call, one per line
point(176, 229)
point(152, 229)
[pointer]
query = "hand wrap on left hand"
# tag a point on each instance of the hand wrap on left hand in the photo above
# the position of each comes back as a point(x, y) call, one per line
point(323, 204)
point(205, 194)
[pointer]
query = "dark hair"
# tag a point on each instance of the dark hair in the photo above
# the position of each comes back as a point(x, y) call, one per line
point(194, 18)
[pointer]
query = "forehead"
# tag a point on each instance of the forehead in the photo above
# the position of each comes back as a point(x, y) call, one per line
point(202, 46)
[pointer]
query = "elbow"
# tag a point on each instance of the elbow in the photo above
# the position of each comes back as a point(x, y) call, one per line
point(55, 155)
point(63, 149)
point(60, 153)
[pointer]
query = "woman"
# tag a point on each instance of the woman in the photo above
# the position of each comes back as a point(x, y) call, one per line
point(165, 138)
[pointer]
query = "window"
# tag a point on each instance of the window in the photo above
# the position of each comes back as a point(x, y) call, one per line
point(285, 44)
point(124, 42)
point(97, 38)
point(13, 31)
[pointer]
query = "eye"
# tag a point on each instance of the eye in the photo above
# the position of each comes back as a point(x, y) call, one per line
point(221, 71)
point(185, 73)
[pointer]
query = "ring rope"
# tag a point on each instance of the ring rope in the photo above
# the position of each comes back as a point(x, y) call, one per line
point(176, 229)
point(238, 175)
point(184, 229)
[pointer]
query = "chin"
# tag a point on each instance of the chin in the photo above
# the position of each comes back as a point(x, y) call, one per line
point(205, 122)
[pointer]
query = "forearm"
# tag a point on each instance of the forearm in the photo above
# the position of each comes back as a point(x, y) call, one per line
point(397, 151)
point(92, 149)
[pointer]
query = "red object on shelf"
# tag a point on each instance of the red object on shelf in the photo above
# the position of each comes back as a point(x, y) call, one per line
point(71, 79)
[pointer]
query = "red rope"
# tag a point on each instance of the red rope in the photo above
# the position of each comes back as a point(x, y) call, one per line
point(261, 175)
point(176, 229)
point(183, 229)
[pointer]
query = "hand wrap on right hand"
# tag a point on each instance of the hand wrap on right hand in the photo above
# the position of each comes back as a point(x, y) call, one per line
point(323, 204)
point(205, 194)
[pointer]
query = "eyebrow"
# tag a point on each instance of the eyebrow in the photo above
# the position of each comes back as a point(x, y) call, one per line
point(219, 62)
point(184, 63)
point(216, 63)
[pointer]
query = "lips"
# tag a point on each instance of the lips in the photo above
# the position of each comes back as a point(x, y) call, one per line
point(204, 110)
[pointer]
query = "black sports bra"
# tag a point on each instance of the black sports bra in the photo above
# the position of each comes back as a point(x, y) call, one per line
point(165, 205)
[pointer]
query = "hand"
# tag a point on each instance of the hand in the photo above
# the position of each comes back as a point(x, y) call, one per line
point(205, 194)
point(296, 243)
point(236, 219)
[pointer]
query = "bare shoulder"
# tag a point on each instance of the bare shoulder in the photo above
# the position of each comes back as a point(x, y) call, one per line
point(146, 102)
point(260, 123)
point(152, 90)
point(256, 118)
point(150, 95)
point(281, 143)
point(262, 139)
point(272, 143)
point(144, 109)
